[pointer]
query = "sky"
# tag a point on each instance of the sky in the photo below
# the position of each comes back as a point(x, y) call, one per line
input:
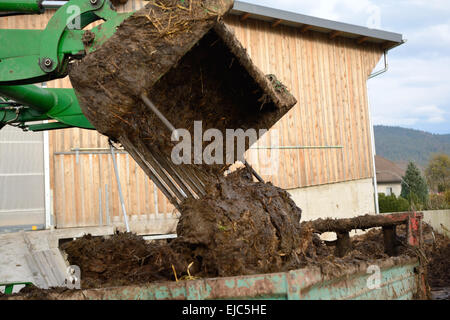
point(415, 92)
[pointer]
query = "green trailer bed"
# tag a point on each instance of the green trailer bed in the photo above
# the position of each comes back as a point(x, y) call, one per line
point(400, 279)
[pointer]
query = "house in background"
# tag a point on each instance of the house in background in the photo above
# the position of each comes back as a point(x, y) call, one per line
point(389, 176)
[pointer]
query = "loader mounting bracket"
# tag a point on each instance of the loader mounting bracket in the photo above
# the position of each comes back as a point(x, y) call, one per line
point(32, 56)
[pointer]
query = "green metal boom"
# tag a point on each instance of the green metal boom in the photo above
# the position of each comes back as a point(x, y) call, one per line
point(24, 6)
point(29, 57)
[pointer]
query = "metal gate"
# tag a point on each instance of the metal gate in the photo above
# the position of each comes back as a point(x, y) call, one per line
point(22, 180)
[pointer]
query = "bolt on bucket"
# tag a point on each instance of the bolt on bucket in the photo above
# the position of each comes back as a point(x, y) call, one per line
point(170, 69)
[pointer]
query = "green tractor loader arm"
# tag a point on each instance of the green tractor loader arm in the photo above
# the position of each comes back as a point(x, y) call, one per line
point(28, 103)
point(29, 57)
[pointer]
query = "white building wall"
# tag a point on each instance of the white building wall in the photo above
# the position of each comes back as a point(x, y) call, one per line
point(439, 220)
point(396, 188)
point(22, 185)
point(340, 200)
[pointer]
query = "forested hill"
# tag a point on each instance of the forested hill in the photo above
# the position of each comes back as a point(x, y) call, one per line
point(403, 145)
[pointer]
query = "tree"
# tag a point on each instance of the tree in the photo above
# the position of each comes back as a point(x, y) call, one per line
point(414, 186)
point(438, 173)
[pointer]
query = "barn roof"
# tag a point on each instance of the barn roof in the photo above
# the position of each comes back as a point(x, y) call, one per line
point(387, 40)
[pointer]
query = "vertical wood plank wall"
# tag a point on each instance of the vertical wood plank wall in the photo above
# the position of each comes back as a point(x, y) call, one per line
point(328, 78)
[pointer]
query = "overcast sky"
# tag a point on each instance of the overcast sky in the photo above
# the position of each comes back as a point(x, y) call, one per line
point(415, 93)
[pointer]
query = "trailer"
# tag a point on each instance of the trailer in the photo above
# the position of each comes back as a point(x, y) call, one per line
point(394, 278)
point(400, 280)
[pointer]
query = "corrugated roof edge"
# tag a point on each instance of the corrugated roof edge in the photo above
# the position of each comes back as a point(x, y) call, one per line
point(287, 17)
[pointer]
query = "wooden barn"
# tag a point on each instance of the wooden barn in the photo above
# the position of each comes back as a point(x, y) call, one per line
point(324, 144)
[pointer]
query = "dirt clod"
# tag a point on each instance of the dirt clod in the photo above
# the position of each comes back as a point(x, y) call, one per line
point(122, 259)
point(241, 227)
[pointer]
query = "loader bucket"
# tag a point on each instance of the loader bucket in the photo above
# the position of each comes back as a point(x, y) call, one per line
point(170, 65)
